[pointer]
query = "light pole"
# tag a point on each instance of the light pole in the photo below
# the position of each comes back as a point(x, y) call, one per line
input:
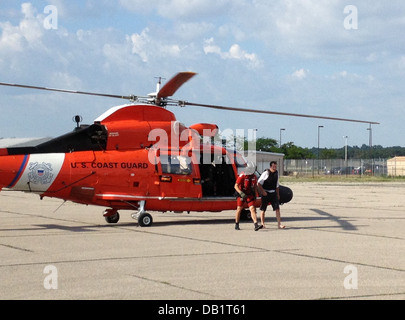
point(345, 137)
point(319, 130)
point(255, 136)
point(282, 129)
point(370, 143)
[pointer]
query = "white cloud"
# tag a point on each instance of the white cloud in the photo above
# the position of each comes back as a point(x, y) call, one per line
point(10, 39)
point(66, 80)
point(145, 47)
point(140, 43)
point(235, 52)
point(173, 9)
point(27, 33)
point(314, 29)
point(343, 74)
point(193, 8)
point(300, 74)
point(192, 30)
point(352, 77)
point(209, 47)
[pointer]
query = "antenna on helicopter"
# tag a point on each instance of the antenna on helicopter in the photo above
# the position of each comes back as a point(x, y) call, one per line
point(159, 83)
point(154, 97)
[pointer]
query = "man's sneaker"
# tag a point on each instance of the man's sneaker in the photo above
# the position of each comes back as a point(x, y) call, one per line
point(258, 227)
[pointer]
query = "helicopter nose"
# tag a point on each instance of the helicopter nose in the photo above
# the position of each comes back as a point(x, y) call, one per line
point(11, 168)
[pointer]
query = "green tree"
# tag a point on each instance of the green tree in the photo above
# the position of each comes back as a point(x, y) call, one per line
point(291, 151)
point(328, 154)
point(266, 144)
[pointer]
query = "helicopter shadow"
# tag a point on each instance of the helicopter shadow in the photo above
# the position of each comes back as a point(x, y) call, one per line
point(338, 222)
point(344, 224)
point(95, 228)
point(324, 216)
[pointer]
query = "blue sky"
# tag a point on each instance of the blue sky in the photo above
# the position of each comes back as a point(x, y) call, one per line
point(281, 55)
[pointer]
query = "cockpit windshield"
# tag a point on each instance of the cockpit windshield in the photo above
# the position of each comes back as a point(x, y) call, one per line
point(85, 138)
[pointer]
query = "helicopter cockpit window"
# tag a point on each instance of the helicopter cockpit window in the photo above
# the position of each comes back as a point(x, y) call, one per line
point(176, 165)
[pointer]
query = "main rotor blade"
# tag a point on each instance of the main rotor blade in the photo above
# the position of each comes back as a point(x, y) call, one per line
point(185, 103)
point(174, 84)
point(68, 91)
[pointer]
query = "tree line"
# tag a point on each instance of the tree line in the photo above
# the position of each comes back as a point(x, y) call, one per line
point(291, 151)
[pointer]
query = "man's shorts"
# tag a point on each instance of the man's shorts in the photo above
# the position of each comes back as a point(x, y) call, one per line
point(270, 198)
point(251, 200)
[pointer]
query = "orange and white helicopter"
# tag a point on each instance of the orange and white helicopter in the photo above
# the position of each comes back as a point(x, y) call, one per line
point(134, 157)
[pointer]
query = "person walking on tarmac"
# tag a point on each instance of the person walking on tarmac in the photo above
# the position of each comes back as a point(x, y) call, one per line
point(246, 186)
point(269, 188)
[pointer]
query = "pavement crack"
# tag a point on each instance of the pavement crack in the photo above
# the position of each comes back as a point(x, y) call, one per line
point(338, 260)
point(165, 283)
point(15, 248)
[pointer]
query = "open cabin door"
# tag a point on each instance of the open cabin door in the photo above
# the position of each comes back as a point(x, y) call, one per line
point(217, 175)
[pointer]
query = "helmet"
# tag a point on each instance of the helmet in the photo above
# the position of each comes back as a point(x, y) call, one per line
point(250, 168)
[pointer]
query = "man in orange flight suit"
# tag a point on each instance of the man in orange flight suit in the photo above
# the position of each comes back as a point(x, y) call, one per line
point(246, 186)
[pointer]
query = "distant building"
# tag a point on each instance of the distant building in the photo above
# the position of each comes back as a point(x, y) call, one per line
point(262, 160)
point(396, 166)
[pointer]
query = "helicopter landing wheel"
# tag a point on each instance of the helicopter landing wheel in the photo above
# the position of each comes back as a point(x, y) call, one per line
point(145, 219)
point(111, 216)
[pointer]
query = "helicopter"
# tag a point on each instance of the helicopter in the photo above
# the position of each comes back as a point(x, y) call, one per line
point(136, 157)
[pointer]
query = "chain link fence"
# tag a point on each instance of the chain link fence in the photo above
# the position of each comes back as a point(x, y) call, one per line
point(312, 167)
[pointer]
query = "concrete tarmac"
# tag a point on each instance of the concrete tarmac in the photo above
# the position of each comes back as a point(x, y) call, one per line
point(343, 241)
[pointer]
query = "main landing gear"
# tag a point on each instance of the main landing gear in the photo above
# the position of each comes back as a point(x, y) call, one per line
point(144, 218)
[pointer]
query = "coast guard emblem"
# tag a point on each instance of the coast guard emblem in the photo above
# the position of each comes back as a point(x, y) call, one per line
point(40, 173)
